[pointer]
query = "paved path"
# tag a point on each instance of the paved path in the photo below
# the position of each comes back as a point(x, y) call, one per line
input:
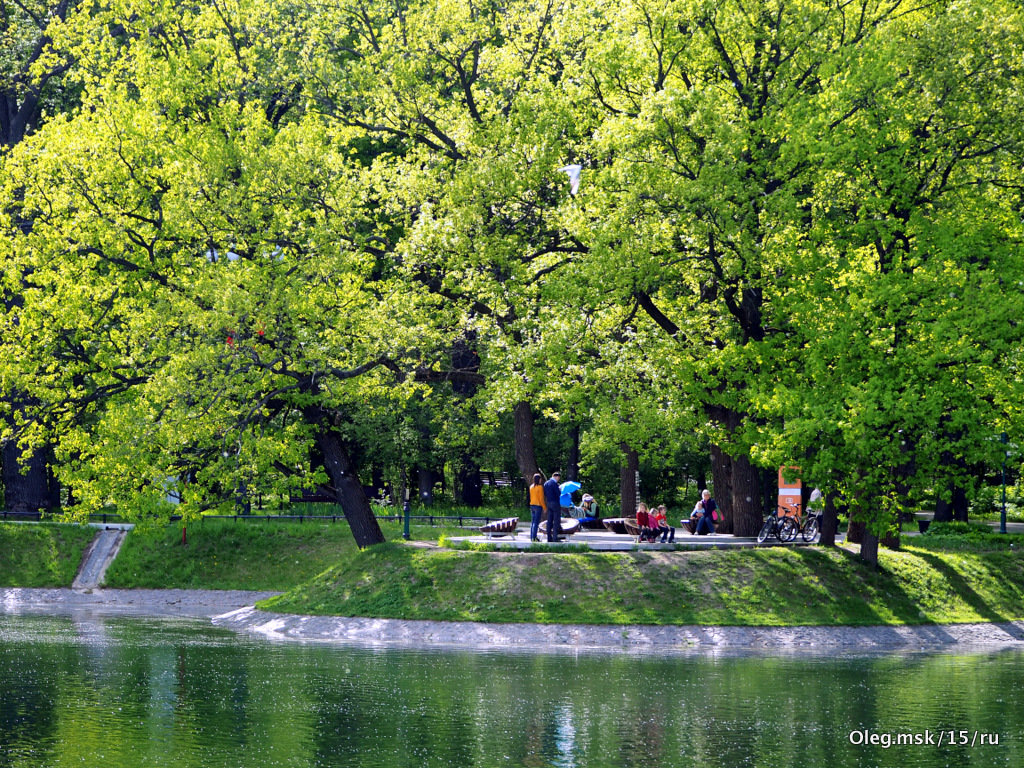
point(606, 541)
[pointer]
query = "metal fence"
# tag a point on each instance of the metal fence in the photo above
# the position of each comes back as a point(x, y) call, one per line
point(459, 521)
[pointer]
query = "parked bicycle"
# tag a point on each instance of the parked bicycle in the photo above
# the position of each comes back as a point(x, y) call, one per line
point(784, 528)
point(811, 525)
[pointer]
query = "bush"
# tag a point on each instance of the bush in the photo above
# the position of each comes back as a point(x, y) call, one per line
point(958, 528)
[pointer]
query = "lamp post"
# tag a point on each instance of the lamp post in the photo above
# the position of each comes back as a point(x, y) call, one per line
point(405, 512)
point(1002, 515)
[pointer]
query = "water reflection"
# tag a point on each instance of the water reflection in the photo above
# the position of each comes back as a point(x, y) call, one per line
point(129, 692)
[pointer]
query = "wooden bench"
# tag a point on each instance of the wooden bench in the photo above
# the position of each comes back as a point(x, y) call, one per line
point(504, 527)
point(496, 479)
point(640, 534)
point(569, 525)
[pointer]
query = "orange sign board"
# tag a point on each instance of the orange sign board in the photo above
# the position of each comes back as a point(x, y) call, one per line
point(789, 493)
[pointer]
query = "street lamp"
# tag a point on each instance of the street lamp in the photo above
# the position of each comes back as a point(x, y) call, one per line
point(405, 512)
point(1002, 515)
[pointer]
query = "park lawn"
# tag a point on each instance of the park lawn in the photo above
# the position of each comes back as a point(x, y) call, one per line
point(932, 580)
point(41, 554)
point(225, 554)
point(755, 587)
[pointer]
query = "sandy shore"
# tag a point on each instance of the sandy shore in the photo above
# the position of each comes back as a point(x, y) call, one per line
point(234, 610)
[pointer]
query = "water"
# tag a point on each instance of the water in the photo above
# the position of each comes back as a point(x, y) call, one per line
point(131, 692)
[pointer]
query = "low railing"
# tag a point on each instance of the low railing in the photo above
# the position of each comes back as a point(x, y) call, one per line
point(459, 521)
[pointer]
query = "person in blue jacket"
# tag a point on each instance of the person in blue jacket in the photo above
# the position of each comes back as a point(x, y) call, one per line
point(552, 496)
point(565, 501)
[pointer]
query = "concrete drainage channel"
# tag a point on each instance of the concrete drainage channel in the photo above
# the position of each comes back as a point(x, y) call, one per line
point(99, 555)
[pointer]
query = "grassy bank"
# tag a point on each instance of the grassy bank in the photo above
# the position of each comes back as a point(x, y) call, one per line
point(776, 586)
point(222, 554)
point(952, 575)
point(41, 555)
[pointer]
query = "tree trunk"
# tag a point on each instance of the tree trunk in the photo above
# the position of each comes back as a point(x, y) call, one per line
point(470, 485)
point(721, 480)
point(628, 484)
point(425, 481)
point(829, 522)
point(746, 498)
point(27, 480)
point(960, 504)
point(346, 487)
point(572, 466)
point(954, 509)
point(526, 454)
point(869, 549)
point(856, 532)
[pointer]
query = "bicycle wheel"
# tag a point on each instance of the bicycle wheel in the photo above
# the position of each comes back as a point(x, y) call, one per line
point(766, 530)
point(809, 531)
point(787, 529)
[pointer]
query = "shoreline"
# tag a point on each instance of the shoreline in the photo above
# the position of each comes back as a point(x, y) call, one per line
point(234, 610)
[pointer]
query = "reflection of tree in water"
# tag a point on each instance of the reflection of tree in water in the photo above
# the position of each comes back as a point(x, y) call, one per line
point(153, 697)
point(404, 708)
point(30, 688)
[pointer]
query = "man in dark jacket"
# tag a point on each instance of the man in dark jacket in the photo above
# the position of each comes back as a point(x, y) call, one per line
point(552, 494)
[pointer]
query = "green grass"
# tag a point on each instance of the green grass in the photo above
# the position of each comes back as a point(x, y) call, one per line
point(954, 574)
point(41, 555)
point(224, 554)
point(759, 587)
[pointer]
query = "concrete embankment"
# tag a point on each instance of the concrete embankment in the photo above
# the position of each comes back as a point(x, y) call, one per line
point(234, 610)
point(99, 555)
point(180, 603)
point(563, 637)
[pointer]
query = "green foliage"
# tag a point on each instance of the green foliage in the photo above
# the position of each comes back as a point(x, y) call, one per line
point(955, 527)
point(796, 237)
point(966, 537)
point(41, 555)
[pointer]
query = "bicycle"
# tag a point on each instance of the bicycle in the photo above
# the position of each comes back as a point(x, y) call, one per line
point(811, 526)
point(783, 528)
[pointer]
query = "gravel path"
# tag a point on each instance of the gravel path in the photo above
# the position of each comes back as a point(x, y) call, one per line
point(233, 610)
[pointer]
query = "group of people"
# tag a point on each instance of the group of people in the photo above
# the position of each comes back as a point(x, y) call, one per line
point(653, 522)
point(549, 497)
point(546, 496)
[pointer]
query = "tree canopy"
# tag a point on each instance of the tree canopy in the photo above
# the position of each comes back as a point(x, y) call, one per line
point(276, 239)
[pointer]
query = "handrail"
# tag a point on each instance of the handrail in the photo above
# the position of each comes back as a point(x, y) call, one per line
point(462, 521)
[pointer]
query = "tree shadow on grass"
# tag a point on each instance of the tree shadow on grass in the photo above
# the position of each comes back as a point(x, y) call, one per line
point(843, 579)
point(967, 593)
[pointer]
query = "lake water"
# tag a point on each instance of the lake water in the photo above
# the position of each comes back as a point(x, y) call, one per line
point(128, 692)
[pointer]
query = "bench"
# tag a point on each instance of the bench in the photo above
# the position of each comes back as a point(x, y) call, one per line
point(504, 527)
point(640, 533)
point(496, 479)
point(569, 525)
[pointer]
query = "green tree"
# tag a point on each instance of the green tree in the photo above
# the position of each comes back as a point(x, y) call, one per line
point(32, 83)
point(910, 292)
point(715, 171)
point(203, 311)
